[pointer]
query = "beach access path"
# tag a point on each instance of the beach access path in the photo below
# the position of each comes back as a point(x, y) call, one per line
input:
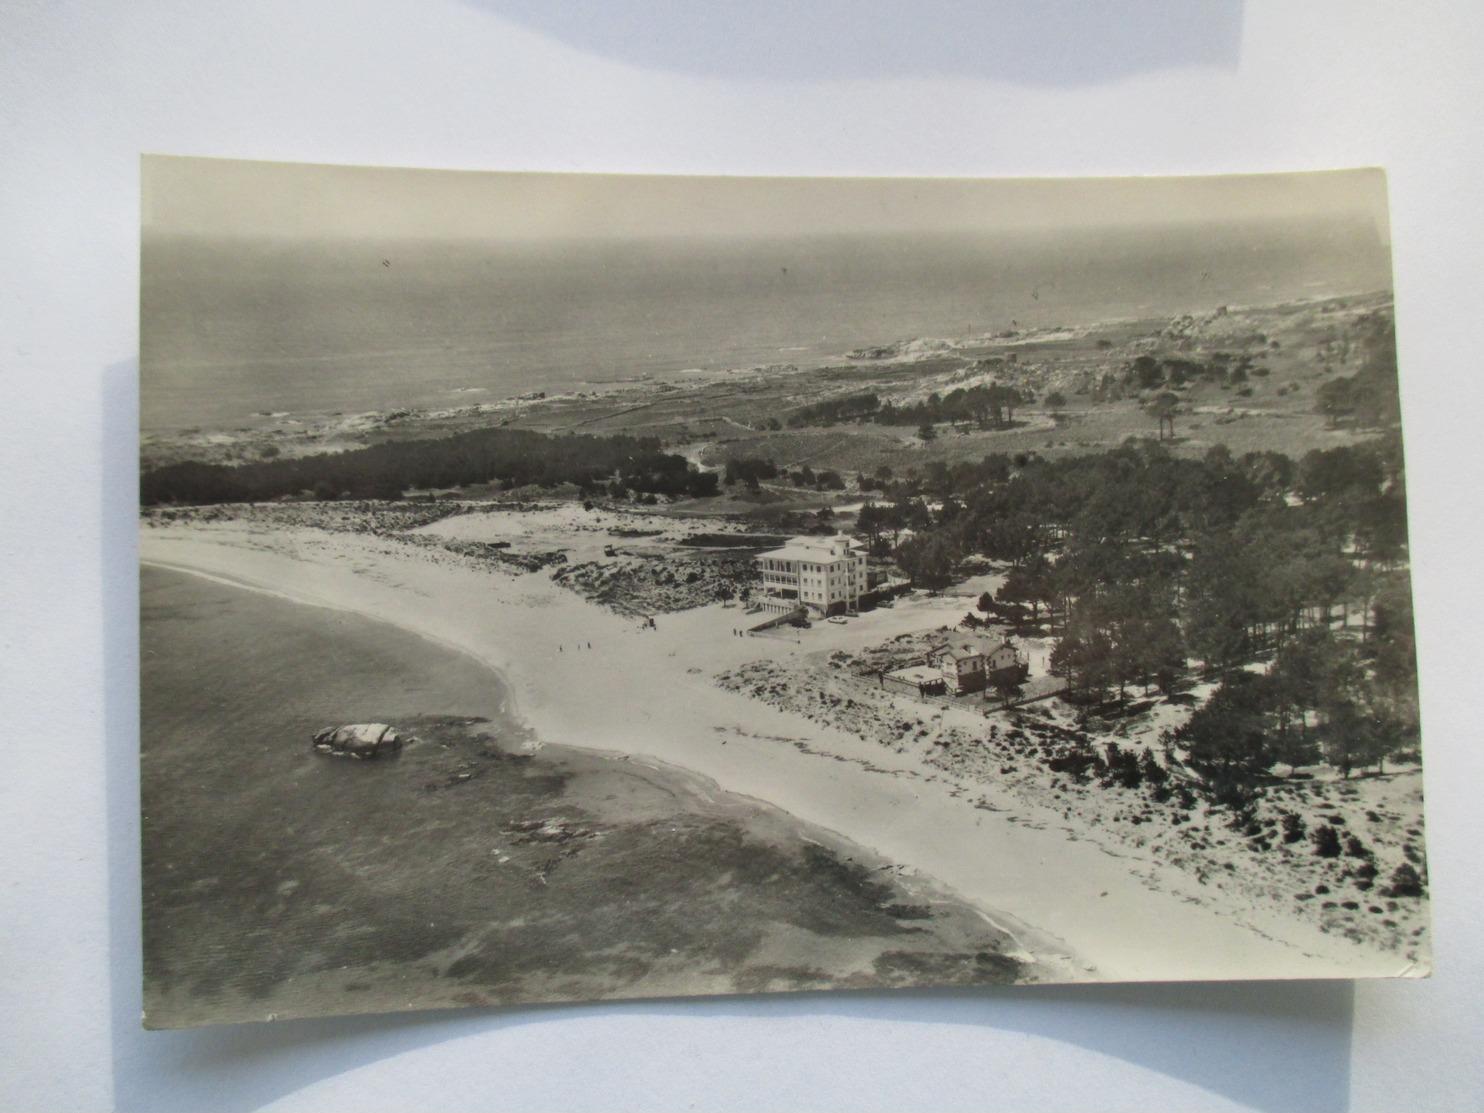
point(648, 694)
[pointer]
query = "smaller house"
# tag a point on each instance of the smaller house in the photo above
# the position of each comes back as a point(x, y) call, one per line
point(970, 664)
point(1005, 663)
point(961, 664)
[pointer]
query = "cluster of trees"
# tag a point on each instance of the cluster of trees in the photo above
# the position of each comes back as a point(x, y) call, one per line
point(835, 411)
point(1324, 697)
point(876, 481)
point(1012, 508)
point(826, 479)
point(1150, 372)
point(749, 471)
point(877, 520)
point(1114, 638)
point(1141, 560)
point(752, 470)
point(982, 407)
point(617, 465)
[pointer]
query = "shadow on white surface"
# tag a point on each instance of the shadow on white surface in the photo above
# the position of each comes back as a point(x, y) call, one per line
point(950, 1049)
point(1035, 42)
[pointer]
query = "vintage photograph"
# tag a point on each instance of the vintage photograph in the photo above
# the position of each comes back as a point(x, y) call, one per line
point(564, 587)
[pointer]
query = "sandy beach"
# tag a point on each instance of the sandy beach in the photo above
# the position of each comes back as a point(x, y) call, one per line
point(468, 867)
point(580, 675)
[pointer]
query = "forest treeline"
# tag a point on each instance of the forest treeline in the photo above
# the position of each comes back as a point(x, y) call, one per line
point(616, 465)
point(1139, 560)
point(982, 407)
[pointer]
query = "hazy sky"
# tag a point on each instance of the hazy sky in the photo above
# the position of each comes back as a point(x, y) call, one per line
point(238, 198)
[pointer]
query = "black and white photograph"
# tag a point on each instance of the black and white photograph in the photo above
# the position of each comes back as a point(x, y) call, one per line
point(575, 587)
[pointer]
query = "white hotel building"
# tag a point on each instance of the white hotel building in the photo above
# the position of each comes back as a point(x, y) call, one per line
point(825, 575)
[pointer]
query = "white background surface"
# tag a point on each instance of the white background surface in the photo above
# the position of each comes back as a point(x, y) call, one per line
point(994, 87)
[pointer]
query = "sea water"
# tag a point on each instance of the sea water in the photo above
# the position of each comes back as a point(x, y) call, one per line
point(280, 882)
point(236, 327)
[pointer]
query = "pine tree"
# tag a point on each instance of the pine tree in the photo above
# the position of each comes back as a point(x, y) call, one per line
point(1227, 740)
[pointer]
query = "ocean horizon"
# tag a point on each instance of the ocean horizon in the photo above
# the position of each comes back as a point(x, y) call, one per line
point(233, 328)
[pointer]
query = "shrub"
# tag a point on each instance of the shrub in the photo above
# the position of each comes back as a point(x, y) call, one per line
point(1122, 767)
point(1405, 882)
point(1080, 764)
point(1293, 827)
point(1326, 841)
point(1152, 771)
point(1233, 795)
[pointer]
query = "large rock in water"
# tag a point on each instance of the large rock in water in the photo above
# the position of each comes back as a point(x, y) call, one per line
point(358, 740)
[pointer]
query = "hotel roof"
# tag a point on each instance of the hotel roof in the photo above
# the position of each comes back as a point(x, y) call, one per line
point(821, 551)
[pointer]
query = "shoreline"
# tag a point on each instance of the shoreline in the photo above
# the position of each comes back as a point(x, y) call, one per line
point(996, 858)
point(297, 865)
point(1035, 952)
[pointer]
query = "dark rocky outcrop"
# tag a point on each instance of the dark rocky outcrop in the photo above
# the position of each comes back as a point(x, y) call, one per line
point(358, 740)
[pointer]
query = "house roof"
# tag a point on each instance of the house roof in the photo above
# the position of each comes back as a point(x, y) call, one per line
point(959, 651)
point(962, 649)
